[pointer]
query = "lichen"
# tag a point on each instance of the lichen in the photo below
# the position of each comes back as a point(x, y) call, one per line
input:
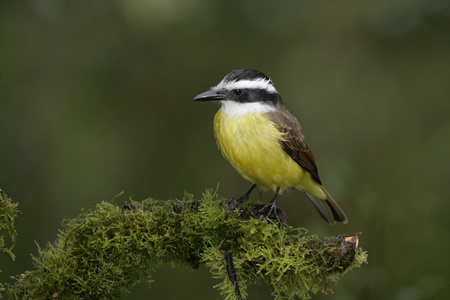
point(106, 250)
point(8, 214)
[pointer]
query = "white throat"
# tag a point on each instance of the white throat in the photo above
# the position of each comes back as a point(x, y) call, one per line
point(236, 109)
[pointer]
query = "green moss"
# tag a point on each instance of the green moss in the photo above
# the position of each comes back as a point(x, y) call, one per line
point(105, 251)
point(8, 214)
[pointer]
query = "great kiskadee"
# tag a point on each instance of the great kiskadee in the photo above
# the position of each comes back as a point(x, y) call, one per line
point(264, 142)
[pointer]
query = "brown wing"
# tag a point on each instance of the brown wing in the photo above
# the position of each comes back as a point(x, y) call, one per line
point(294, 143)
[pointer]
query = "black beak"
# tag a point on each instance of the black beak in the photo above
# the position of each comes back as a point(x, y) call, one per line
point(210, 95)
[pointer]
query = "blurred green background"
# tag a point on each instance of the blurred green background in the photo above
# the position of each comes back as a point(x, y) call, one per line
point(96, 98)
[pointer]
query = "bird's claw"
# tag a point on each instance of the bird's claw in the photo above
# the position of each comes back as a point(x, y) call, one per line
point(239, 199)
point(273, 209)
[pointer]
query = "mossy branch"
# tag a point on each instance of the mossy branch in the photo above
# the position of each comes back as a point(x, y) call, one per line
point(105, 251)
point(8, 214)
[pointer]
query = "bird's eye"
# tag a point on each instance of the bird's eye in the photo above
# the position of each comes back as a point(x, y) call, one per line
point(237, 92)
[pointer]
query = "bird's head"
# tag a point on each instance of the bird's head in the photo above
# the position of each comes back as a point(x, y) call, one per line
point(242, 90)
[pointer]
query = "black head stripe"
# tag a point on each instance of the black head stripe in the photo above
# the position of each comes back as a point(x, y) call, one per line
point(245, 74)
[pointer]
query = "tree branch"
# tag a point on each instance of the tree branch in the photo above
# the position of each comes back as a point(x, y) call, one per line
point(8, 214)
point(108, 249)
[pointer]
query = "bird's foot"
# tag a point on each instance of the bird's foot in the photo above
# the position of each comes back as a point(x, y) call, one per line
point(239, 199)
point(272, 207)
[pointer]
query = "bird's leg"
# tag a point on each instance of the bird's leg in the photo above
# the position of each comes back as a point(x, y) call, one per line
point(272, 204)
point(243, 198)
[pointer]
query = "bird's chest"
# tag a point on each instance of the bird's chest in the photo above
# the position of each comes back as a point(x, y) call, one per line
point(250, 137)
point(251, 143)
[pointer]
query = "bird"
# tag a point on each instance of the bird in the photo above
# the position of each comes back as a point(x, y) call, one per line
point(264, 142)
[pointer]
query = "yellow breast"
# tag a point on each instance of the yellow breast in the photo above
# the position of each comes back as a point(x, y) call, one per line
point(251, 143)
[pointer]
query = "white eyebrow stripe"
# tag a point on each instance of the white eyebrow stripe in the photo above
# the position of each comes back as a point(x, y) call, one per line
point(263, 84)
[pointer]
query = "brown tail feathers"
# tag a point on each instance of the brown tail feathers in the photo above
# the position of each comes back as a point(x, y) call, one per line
point(328, 208)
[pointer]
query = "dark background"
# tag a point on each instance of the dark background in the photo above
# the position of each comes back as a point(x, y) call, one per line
point(96, 98)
